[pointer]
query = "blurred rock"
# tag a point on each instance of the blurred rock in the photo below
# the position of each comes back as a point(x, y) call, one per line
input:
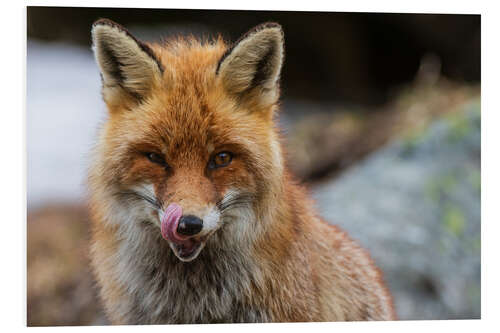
point(323, 141)
point(415, 205)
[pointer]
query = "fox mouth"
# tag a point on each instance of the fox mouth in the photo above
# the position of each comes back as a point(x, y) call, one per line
point(189, 250)
point(186, 248)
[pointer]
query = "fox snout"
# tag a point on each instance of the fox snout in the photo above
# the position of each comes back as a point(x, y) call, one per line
point(189, 225)
point(177, 227)
point(186, 232)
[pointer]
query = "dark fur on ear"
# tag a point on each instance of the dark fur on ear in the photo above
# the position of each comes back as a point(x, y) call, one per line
point(244, 36)
point(144, 47)
point(127, 65)
point(254, 61)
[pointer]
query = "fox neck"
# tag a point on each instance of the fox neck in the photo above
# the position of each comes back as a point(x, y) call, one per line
point(215, 287)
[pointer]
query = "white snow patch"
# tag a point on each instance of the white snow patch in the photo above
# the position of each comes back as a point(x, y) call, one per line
point(64, 109)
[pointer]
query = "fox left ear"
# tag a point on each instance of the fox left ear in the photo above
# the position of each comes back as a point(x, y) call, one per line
point(129, 67)
point(252, 66)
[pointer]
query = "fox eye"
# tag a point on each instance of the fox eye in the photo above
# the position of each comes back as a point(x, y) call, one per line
point(156, 158)
point(222, 159)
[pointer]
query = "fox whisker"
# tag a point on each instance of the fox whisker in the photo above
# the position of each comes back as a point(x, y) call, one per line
point(234, 200)
point(151, 199)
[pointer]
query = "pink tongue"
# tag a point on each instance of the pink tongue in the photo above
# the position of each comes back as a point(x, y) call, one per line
point(169, 225)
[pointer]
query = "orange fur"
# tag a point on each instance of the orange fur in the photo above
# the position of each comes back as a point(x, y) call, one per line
point(272, 259)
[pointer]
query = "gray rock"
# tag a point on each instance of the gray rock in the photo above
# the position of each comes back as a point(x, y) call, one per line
point(415, 205)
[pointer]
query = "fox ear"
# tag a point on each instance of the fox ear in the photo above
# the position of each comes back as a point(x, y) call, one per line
point(252, 65)
point(129, 68)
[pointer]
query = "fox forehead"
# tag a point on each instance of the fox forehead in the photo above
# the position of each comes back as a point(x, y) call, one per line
point(189, 76)
point(186, 59)
point(188, 125)
point(191, 112)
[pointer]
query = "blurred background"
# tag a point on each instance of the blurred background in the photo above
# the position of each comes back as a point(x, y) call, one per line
point(382, 117)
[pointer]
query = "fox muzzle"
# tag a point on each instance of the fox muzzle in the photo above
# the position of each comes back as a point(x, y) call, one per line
point(189, 225)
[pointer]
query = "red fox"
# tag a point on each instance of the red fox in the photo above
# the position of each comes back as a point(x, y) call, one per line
point(195, 216)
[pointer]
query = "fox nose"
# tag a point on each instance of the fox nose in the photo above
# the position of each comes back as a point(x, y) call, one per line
point(189, 225)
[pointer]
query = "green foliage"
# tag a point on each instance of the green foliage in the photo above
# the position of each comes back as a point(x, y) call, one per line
point(437, 188)
point(474, 178)
point(411, 141)
point(454, 220)
point(460, 122)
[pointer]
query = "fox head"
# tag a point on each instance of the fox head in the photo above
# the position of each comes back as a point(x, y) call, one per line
point(189, 145)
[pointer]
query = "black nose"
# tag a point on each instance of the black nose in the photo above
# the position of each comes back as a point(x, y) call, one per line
point(189, 225)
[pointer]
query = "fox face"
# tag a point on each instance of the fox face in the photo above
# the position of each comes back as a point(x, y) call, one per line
point(189, 145)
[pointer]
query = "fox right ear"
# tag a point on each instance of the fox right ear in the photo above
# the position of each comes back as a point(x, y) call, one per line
point(252, 66)
point(129, 68)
